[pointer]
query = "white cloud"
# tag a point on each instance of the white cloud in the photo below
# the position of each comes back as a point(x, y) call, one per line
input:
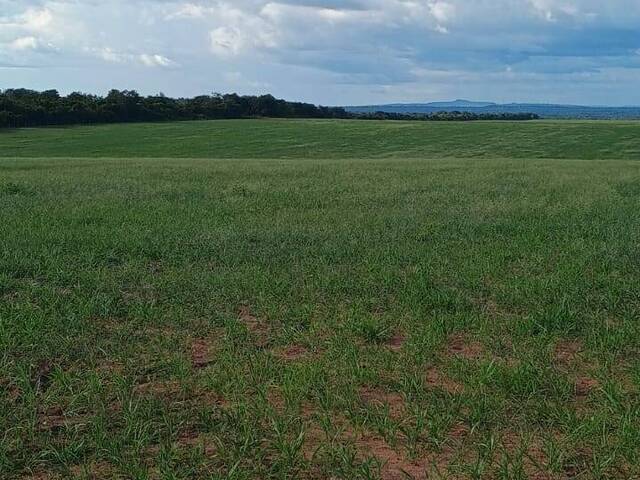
point(188, 11)
point(111, 55)
point(443, 12)
point(155, 60)
point(228, 41)
point(241, 32)
point(37, 20)
point(24, 43)
point(108, 55)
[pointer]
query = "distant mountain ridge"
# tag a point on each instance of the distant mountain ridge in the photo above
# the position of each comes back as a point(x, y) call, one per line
point(543, 110)
point(461, 103)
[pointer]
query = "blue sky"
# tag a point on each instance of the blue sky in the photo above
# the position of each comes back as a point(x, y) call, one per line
point(329, 52)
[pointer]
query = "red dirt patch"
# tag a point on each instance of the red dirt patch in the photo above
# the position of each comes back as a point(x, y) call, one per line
point(378, 398)
point(54, 419)
point(458, 432)
point(396, 342)
point(200, 353)
point(176, 395)
point(394, 465)
point(567, 351)
point(276, 399)
point(247, 317)
point(292, 352)
point(460, 346)
point(190, 438)
point(534, 459)
point(109, 367)
point(95, 470)
point(435, 379)
point(169, 389)
point(585, 385)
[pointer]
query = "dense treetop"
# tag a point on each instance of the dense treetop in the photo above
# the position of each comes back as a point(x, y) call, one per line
point(29, 108)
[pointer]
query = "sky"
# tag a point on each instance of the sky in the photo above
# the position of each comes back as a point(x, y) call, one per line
point(331, 52)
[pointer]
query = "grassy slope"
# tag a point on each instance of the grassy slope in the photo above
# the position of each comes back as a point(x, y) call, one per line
point(282, 319)
point(331, 139)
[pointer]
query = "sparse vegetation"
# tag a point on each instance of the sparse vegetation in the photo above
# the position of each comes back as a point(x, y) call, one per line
point(320, 299)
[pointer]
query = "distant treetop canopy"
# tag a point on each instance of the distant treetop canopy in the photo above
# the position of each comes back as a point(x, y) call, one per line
point(29, 108)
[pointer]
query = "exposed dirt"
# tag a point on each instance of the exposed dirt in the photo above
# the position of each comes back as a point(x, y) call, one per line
point(292, 353)
point(394, 464)
point(176, 395)
point(51, 419)
point(396, 342)
point(200, 353)
point(585, 385)
point(460, 346)
point(191, 438)
point(54, 419)
point(534, 460)
point(163, 389)
point(566, 352)
point(458, 432)
point(109, 367)
point(435, 379)
point(276, 399)
point(379, 398)
point(42, 376)
point(97, 470)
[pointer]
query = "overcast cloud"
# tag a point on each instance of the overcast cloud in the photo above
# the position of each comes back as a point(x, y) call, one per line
point(330, 52)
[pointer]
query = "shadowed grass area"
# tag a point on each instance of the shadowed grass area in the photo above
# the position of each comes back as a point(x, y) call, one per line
point(347, 318)
point(331, 139)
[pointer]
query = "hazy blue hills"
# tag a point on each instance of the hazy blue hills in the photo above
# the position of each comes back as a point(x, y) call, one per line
point(542, 110)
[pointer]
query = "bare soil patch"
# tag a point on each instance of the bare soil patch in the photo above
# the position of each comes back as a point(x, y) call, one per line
point(54, 419)
point(585, 385)
point(534, 460)
point(566, 352)
point(396, 342)
point(436, 379)
point(95, 470)
point(200, 353)
point(378, 398)
point(292, 353)
point(460, 346)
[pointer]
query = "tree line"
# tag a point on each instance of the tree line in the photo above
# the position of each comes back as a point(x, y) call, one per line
point(30, 108)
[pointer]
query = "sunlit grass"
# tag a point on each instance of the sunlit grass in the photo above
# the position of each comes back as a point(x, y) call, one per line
point(337, 318)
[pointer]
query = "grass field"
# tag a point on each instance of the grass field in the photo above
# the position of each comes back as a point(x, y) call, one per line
point(454, 300)
point(330, 139)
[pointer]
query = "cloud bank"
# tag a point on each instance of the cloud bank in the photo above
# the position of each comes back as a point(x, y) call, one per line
point(333, 52)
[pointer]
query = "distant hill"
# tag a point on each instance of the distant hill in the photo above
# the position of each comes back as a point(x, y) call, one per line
point(460, 104)
point(540, 109)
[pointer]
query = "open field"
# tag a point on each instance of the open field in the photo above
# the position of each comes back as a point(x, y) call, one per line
point(332, 139)
point(454, 299)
